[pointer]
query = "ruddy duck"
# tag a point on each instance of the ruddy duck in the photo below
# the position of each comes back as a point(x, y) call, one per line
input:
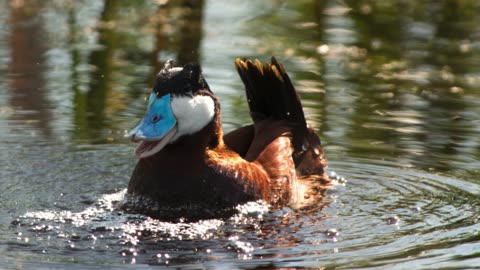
point(188, 168)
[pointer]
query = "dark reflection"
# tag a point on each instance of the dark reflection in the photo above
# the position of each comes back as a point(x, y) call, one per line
point(381, 26)
point(387, 84)
point(408, 95)
point(389, 78)
point(27, 67)
point(447, 107)
point(322, 99)
point(190, 31)
point(90, 105)
point(176, 29)
point(380, 29)
point(185, 16)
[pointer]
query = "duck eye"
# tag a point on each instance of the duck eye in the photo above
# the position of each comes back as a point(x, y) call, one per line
point(156, 118)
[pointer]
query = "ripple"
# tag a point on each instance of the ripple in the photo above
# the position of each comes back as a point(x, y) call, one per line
point(375, 214)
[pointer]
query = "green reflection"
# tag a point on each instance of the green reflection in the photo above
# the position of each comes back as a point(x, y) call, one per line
point(90, 105)
point(393, 75)
point(118, 61)
point(379, 79)
point(385, 83)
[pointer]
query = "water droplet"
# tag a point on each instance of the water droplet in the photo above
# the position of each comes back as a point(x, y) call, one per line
point(392, 220)
point(16, 222)
point(332, 233)
point(417, 209)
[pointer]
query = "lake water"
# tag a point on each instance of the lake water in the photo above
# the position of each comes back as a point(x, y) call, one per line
point(391, 87)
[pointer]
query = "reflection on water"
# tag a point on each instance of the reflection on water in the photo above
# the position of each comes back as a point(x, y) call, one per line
point(383, 215)
point(391, 87)
point(27, 83)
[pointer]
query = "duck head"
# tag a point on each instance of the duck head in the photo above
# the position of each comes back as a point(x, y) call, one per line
point(180, 104)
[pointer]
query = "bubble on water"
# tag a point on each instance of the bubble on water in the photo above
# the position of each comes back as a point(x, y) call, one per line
point(250, 210)
point(336, 178)
point(417, 209)
point(342, 180)
point(102, 218)
point(332, 232)
point(393, 220)
point(41, 228)
point(99, 211)
point(239, 246)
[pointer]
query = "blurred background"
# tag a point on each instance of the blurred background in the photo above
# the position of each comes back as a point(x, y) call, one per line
point(382, 82)
point(382, 79)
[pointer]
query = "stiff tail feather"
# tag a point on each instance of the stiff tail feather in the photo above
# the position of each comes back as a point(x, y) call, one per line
point(271, 94)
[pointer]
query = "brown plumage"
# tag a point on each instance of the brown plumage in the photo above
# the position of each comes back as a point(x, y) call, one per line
point(277, 159)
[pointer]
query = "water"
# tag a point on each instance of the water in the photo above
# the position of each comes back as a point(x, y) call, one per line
point(391, 88)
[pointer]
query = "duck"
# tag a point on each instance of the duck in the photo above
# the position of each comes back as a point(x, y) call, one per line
point(188, 169)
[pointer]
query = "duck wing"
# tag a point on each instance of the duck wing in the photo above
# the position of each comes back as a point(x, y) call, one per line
point(287, 148)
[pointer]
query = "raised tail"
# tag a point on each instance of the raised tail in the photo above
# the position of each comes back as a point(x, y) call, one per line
point(271, 95)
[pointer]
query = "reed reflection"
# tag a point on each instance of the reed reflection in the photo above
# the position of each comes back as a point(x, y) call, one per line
point(408, 94)
point(447, 107)
point(90, 105)
point(176, 30)
point(27, 67)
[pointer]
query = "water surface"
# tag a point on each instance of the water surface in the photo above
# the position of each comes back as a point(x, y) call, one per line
point(392, 89)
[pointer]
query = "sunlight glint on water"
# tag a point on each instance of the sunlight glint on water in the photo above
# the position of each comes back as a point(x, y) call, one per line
point(392, 89)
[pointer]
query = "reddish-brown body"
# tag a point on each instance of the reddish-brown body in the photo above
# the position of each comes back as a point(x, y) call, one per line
point(203, 174)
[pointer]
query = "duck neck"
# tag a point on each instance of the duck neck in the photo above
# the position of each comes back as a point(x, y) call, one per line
point(196, 144)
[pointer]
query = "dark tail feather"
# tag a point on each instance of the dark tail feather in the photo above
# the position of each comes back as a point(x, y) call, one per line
point(270, 94)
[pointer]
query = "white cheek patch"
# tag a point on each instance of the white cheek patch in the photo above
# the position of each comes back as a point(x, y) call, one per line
point(192, 113)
